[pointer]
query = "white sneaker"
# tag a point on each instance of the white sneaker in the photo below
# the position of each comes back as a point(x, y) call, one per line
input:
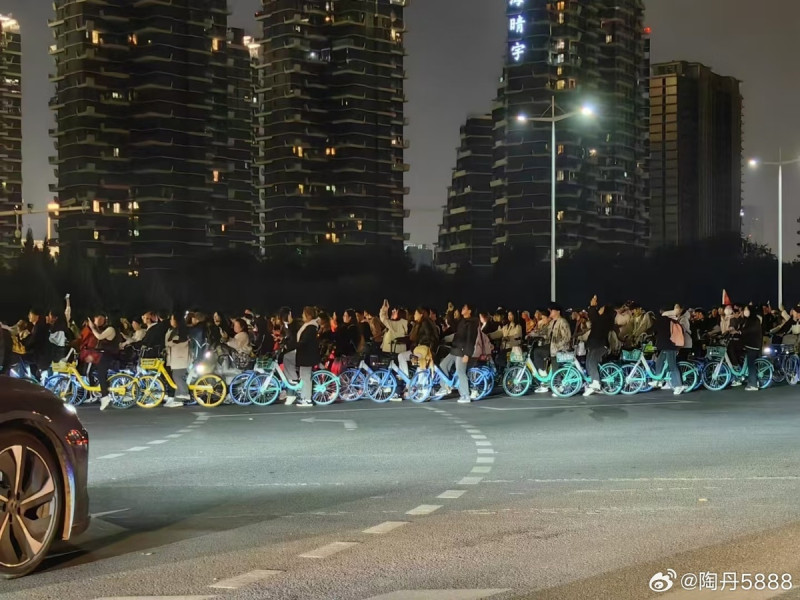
point(396, 398)
point(104, 402)
point(290, 400)
point(473, 395)
point(305, 403)
point(589, 391)
point(541, 390)
point(751, 388)
point(678, 390)
point(654, 384)
point(736, 383)
point(282, 395)
point(172, 403)
point(464, 400)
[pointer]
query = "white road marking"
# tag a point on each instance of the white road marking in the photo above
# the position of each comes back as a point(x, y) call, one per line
point(452, 494)
point(100, 515)
point(328, 411)
point(478, 437)
point(667, 479)
point(328, 550)
point(173, 436)
point(481, 470)
point(157, 442)
point(485, 451)
point(424, 509)
point(460, 422)
point(453, 594)
point(109, 456)
point(590, 405)
point(348, 424)
point(385, 527)
point(138, 449)
point(485, 459)
point(473, 430)
point(234, 583)
point(470, 481)
point(479, 443)
point(184, 431)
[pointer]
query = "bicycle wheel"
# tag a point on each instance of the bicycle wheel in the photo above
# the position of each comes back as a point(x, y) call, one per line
point(517, 381)
point(689, 375)
point(209, 391)
point(634, 379)
point(764, 370)
point(66, 388)
point(381, 386)
point(611, 379)
point(716, 376)
point(791, 367)
point(352, 385)
point(151, 391)
point(420, 386)
point(779, 364)
point(479, 385)
point(264, 389)
point(698, 366)
point(566, 382)
point(239, 388)
point(122, 389)
point(324, 387)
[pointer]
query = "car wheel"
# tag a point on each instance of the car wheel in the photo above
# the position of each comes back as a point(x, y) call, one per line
point(31, 502)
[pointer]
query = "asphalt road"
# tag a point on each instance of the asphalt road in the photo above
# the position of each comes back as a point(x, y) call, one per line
point(533, 498)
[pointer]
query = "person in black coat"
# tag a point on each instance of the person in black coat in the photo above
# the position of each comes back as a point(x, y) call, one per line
point(602, 320)
point(37, 344)
point(466, 334)
point(308, 356)
point(667, 350)
point(751, 339)
point(349, 336)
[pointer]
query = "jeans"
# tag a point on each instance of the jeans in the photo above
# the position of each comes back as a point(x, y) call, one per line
point(182, 388)
point(305, 378)
point(403, 359)
point(750, 356)
point(461, 371)
point(671, 358)
point(540, 355)
point(593, 358)
point(290, 365)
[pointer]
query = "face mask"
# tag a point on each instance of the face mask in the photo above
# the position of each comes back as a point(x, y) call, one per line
point(728, 311)
point(747, 314)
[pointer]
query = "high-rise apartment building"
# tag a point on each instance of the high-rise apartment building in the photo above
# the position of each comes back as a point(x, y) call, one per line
point(10, 133)
point(696, 161)
point(572, 53)
point(466, 232)
point(153, 131)
point(329, 124)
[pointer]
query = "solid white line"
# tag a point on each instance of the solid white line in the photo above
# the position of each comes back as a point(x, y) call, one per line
point(385, 527)
point(481, 470)
point(173, 436)
point(485, 459)
point(483, 443)
point(234, 583)
point(681, 479)
point(138, 448)
point(108, 513)
point(157, 442)
point(485, 451)
point(470, 481)
point(451, 494)
point(328, 550)
point(478, 437)
point(329, 411)
point(424, 509)
point(109, 456)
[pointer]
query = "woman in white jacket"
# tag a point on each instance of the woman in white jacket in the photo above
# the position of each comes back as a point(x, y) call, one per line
point(177, 344)
point(396, 329)
point(240, 341)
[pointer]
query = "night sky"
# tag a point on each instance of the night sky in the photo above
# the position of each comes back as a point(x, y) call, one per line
point(454, 60)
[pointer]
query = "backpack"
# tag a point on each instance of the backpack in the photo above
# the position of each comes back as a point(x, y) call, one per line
point(483, 347)
point(676, 335)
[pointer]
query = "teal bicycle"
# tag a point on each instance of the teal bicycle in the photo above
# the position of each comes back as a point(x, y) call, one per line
point(519, 377)
point(639, 373)
point(571, 378)
point(720, 372)
point(264, 388)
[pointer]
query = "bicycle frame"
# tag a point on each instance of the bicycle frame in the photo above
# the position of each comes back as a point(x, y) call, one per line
point(532, 368)
point(393, 368)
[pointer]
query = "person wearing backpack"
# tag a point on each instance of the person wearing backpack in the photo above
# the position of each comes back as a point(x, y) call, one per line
point(669, 339)
point(462, 349)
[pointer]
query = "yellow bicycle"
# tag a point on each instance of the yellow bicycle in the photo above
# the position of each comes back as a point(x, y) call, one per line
point(73, 388)
point(208, 390)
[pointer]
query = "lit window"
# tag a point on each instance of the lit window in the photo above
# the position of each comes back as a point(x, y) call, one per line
point(561, 84)
point(116, 152)
point(561, 5)
point(216, 176)
point(95, 37)
point(560, 71)
point(592, 152)
point(560, 215)
point(360, 225)
point(560, 44)
point(96, 206)
point(301, 188)
point(222, 228)
point(609, 38)
point(560, 253)
point(560, 176)
point(96, 235)
point(561, 148)
point(116, 208)
point(215, 45)
point(135, 206)
point(561, 18)
point(133, 39)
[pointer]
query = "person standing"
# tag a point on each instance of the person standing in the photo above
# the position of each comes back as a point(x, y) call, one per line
point(37, 344)
point(602, 322)
point(308, 355)
point(462, 349)
point(751, 332)
point(178, 351)
point(108, 349)
point(667, 349)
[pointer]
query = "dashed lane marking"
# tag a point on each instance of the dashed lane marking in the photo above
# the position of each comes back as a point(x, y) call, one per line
point(478, 437)
point(424, 509)
point(470, 481)
point(173, 436)
point(184, 431)
point(157, 442)
point(451, 494)
point(481, 470)
point(138, 448)
point(485, 459)
point(109, 456)
point(453, 594)
point(328, 550)
point(473, 430)
point(385, 527)
point(234, 583)
point(485, 451)
point(481, 443)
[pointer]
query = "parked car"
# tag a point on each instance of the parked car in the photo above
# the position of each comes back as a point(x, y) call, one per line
point(44, 455)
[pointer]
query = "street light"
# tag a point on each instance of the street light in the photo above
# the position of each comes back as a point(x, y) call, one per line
point(755, 163)
point(585, 111)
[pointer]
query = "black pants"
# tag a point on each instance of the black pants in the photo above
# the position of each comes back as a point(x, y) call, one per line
point(102, 372)
point(540, 356)
point(594, 357)
point(750, 356)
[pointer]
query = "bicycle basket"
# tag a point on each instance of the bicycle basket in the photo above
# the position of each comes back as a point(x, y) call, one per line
point(151, 364)
point(264, 363)
point(565, 357)
point(649, 348)
point(631, 355)
point(60, 367)
point(716, 352)
point(785, 349)
point(241, 360)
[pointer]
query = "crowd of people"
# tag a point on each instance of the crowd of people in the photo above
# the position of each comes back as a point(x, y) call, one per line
point(453, 337)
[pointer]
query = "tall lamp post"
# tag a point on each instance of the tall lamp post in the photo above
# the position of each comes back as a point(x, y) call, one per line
point(585, 111)
point(754, 163)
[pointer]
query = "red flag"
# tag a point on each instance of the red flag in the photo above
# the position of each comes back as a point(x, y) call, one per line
point(726, 300)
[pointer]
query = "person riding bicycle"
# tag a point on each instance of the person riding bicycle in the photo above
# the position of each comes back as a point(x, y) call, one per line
point(557, 339)
point(462, 349)
point(349, 336)
point(510, 339)
point(396, 335)
point(108, 341)
point(597, 343)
